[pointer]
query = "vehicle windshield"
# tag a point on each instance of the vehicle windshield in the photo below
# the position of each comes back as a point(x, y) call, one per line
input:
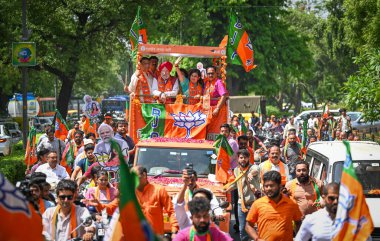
point(10, 126)
point(354, 116)
point(45, 121)
point(171, 161)
point(368, 173)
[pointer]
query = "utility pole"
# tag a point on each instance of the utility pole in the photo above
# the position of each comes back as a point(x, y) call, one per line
point(25, 37)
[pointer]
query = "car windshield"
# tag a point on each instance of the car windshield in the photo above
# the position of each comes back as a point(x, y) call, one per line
point(171, 161)
point(45, 121)
point(368, 173)
point(354, 116)
point(10, 126)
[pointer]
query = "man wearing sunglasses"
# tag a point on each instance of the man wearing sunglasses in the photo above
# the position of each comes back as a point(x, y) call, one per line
point(319, 225)
point(60, 222)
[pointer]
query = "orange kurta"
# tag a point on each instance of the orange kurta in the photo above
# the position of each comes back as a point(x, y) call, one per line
point(274, 221)
point(154, 200)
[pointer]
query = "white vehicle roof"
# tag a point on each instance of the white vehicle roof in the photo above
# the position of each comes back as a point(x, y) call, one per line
point(336, 150)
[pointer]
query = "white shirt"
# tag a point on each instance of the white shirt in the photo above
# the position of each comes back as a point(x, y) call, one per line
point(317, 226)
point(183, 216)
point(53, 176)
point(171, 93)
point(152, 82)
point(63, 224)
point(311, 123)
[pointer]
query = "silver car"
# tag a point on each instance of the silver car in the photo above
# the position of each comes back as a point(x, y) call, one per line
point(359, 123)
point(14, 129)
point(5, 141)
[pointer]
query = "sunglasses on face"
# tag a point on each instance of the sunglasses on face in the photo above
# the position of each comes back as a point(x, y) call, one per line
point(332, 198)
point(63, 197)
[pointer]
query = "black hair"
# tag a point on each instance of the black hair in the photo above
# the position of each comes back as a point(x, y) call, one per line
point(45, 184)
point(199, 205)
point(103, 173)
point(243, 137)
point(51, 130)
point(153, 57)
point(76, 122)
point(121, 122)
point(38, 177)
point(78, 132)
point(302, 162)
point(212, 67)
point(331, 185)
point(225, 125)
point(243, 152)
point(313, 136)
point(205, 192)
point(144, 58)
point(95, 170)
point(274, 176)
point(88, 135)
point(249, 130)
point(42, 152)
point(66, 184)
point(274, 146)
point(141, 170)
point(35, 184)
point(89, 147)
point(184, 73)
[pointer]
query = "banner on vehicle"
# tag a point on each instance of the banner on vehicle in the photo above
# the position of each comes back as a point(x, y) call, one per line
point(175, 120)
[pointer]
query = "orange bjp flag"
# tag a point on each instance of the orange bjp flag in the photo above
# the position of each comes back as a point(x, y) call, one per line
point(224, 151)
point(30, 152)
point(353, 220)
point(239, 46)
point(61, 129)
point(17, 213)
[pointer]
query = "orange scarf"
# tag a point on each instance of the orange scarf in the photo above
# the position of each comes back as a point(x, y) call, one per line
point(193, 91)
point(42, 206)
point(240, 187)
point(73, 221)
point(97, 193)
point(144, 86)
point(168, 86)
point(210, 86)
point(268, 166)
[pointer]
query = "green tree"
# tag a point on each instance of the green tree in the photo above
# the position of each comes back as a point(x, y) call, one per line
point(362, 88)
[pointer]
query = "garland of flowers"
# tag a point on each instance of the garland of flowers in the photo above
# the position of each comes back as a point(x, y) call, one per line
point(176, 139)
point(178, 180)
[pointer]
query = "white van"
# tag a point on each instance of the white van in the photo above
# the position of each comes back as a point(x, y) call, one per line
point(326, 161)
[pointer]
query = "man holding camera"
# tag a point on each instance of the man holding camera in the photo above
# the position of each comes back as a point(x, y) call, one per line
point(247, 182)
point(186, 194)
point(60, 222)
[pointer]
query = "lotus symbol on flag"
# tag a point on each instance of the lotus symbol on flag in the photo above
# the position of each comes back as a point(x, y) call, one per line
point(11, 199)
point(189, 120)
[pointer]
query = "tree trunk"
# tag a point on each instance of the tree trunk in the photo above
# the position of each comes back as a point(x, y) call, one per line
point(297, 102)
point(64, 96)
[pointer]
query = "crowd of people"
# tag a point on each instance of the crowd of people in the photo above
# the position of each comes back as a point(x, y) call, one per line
point(273, 196)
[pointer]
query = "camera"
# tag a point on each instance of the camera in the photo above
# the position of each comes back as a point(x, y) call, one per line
point(189, 169)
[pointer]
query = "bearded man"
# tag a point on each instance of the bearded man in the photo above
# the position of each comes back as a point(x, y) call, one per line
point(273, 213)
point(274, 164)
point(167, 85)
point(319, 226)
point(305, 190)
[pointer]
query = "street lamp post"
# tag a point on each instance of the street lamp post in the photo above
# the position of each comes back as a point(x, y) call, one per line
point(25, 37)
